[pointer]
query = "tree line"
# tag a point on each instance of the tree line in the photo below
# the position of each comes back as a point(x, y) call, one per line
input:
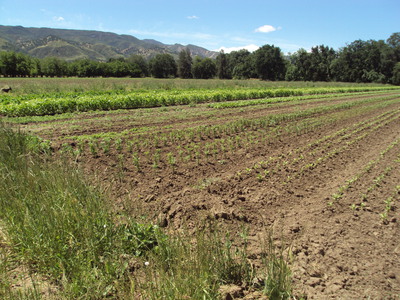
point(359, 61)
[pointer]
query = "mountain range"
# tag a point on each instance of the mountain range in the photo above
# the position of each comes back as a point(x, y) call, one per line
point(74, 44)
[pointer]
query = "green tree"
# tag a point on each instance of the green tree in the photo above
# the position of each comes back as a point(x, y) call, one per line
point(364, 61)
point(163, 66)
point(8, 64)
point(119, 68)
point(84, 68)
point(321, 58)
point(269, 63)
point(396, 74)
point(138, 63)
point(241, 64)
point(35, 67)
point(24, 65)
point(204, 68)
point(311, 66)
point(54, 67)
point(300, 66)
point(222, 66)
point(185, 64)
point(394, 42)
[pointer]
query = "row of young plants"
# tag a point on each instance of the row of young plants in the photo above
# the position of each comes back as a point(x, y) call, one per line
point(350, 141)
point(383, 168)
point(203, 132)
point(301, 160)
point(215, 144)
point(133, 120)
point(244, 103)
point(58, 105)
point(364, 171)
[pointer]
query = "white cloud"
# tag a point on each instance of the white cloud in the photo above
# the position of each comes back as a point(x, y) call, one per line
point(192, 17)
point(250, 48)
point(58, 19)
point(267, 29)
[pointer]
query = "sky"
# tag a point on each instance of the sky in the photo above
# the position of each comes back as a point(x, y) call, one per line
point(217, 24)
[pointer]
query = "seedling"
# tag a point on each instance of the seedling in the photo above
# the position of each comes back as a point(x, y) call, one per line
point(259, 177)
point(136, 161)
point(337, 196)
point(171, 161)
point(93, 149)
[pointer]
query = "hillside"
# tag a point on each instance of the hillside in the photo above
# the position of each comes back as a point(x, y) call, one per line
point(77, 44)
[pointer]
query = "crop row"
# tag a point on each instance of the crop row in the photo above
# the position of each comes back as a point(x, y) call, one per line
point(203, 132)
point(298, 161)
point(365, 170)
point(375, 182)
point(73, 103)
point(244, 103)
point(169, 150)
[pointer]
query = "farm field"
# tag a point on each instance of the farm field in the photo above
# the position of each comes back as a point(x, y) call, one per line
point(318, 165)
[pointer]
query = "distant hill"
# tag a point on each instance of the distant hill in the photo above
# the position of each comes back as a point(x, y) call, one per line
point(77, 44)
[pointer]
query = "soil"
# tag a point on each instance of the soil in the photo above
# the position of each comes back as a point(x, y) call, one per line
point(321, 191)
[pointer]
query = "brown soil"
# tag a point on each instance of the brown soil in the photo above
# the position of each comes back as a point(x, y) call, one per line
point(294, 182)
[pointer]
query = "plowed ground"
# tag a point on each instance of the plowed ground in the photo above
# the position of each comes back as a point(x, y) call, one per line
point(318, 177)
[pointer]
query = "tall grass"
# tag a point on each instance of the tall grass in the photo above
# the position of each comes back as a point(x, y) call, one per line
point(59, 225)
point(195, 266)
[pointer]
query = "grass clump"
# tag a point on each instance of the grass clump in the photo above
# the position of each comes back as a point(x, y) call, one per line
point(197, 266)
point(194, 267)
point(277, 280)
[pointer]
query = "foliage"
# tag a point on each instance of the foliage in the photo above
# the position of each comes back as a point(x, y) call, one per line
point(222, 66)
point(313, 66)
point(396, 74)
point(54, 67)
point(185, 64)
point(15, 64)
point(138, 62)
point(163, 66)
point(242, 64)
point(394, 42)
point(364, 61)
point(269, 62)
point(204, 68)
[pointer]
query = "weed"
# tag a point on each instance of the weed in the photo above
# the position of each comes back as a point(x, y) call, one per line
point(278, 275)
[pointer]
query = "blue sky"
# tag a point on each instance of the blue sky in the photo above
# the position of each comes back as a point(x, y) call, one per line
point(217, 24)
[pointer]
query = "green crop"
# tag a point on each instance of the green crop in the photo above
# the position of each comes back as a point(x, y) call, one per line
point(56, 104)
